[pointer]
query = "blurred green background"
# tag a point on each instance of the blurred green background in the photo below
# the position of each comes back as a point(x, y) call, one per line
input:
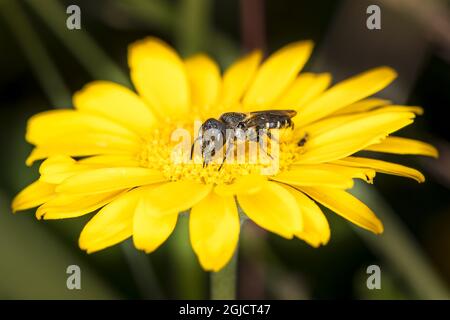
point(43, 63)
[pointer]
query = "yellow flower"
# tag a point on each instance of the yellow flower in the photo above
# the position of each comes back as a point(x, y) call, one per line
point(113, 152)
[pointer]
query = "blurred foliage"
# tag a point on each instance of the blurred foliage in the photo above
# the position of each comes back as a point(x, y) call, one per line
point(43, 63)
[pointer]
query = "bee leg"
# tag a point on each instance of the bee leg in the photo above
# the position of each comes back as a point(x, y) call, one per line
point(193, 146)
point(289, 124)
point(230, 146)
point(192, 150)
point(271, 137)
point(261, 143)
point(207, 159)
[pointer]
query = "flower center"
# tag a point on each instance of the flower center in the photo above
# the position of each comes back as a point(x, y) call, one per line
point(168, 150)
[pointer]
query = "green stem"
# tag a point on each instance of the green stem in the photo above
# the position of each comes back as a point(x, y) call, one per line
point(142, 271)
point(223, 282)
point(188, 276)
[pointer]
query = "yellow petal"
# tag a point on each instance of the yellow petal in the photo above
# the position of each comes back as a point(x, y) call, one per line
point(276, 74)
point(323, 125)
point(347, 206)
point(150, 48)
point(353, 136)
point(64, 206)
point(362, 106)
point(109, 179)
point(238, 77)
point(246, 184)
point(357, 121)
point(117, 103)
point(316, 230)
point(111, 225)
point(112, 161)
point(333, 122)
point(345, 93)
point(47, 126)
point(399, 145)
point(84, 144)
point(383, 167)
point(204, 79)
point(314, 176)
point(58, 168)
point(273, 208)
point(150, 228)
point(54, 169)
point(365, 174)
point(88, 139)
point(175, 196)
point(160, 78)
point(214, 231)
point(33, 195)
point(306, 87)
point(334, 151)
point(389, 108)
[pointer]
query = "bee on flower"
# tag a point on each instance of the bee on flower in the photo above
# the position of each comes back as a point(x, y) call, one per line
point(113, 153)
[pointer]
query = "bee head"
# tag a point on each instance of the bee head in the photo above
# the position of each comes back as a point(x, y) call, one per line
point(211, 137)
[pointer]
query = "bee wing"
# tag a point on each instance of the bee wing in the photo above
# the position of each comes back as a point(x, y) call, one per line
point(287, 113)
point(231, 119)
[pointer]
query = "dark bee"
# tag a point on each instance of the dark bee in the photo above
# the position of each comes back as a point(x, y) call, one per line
point(252, 126)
